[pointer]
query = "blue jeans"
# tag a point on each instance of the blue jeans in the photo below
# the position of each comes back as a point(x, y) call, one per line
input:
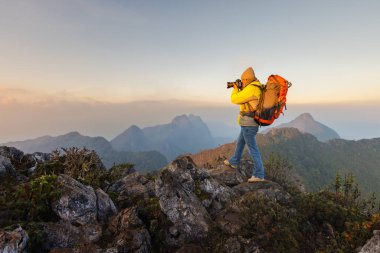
point(248, 136)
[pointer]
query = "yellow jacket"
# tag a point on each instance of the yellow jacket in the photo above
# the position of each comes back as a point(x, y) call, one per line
point(248, 97)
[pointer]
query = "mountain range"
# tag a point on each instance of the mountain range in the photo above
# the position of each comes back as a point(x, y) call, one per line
point(143, 161)
point(149, 148)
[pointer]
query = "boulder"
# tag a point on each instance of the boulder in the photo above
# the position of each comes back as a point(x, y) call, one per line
point(11, 153)
point(65, 235)
point(35, 159)
point(267, 189)
point(132, 188)
point(77, 203)
point(373, 245)
point(15, 241)
point(227, 175)
point(190, 248)
point(238, 244)
point(175, 188)
point(6, 168)
point(213, 195)
point(128, 233)
point(106, 207)
point(80, 204)
point(230, 220)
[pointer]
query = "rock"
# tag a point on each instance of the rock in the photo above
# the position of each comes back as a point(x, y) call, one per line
point(105, 205)
point(132, 188)
point(129, 232)
point(213, 195)
point(11, 153)
point(373, 245)
point(35, 159)
point(238, 244)
point(80, 204)
point(15, 241)
point(175, 188)
point(6, 168)
point(126, 219)
point(230, 220)
point(91, 248)
point(227, 175)
point(268, 189)
point(190, 248)
point(65, 235)
point(77, 203)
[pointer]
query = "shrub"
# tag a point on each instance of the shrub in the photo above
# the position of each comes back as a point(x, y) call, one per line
point(31, 201)
point(81, 164)
point(274, 227)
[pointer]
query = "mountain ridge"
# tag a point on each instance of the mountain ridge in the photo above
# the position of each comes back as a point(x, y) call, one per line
point(307, 124)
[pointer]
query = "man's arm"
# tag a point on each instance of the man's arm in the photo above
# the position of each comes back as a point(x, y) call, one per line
point(243, 96)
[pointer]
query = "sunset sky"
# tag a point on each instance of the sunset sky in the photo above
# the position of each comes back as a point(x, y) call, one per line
point(101, 53)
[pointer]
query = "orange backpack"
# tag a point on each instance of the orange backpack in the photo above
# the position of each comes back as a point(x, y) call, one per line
point(272, 100)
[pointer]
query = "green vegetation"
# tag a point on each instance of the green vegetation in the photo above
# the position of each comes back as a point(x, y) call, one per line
point(280, 170)
point(332, 220)
point(317, 163)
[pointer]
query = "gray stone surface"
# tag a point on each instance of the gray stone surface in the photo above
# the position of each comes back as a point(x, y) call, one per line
point(65, 235)
point(175, 188)
point(106, 207)
point(77, 203)
point(129, 233)
point(132, 188)
point(6, 167)
point(15, 241)
point(373, 245)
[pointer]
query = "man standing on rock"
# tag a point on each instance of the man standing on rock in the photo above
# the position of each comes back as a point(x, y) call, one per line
point(247, 96)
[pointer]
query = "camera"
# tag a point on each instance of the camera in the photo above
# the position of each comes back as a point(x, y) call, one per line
point(238, 84)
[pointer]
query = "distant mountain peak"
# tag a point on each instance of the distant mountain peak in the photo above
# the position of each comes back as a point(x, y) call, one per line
point(181, 120)
point(72, 134)
point(133, 128)
point(307, 124)
point(305, 116)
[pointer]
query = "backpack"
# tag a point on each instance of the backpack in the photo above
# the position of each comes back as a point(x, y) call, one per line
point(272, 100)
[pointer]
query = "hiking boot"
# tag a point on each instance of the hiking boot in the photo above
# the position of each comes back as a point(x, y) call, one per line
point(254, 179)
point(226, 162)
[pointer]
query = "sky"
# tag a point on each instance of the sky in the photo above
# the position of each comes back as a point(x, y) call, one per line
point(68, 63)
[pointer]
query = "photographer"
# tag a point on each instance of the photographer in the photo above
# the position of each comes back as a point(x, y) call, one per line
point(246, 93)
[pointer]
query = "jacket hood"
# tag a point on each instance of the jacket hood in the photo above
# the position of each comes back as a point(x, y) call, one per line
point(248, 76)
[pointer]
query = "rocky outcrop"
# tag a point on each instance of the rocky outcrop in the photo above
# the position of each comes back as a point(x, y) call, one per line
point(105, 206)
point(373, 245)
point(6, 168)
point(129, 233)
point(189, 196)
point(65, 235)
point(14, 241)
point(131, 188)
point(12, 153)
point(175, 188)
point(77, 203)
point(232, 177)
point(230, 219)
point(238, 244)
point(80, 204)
